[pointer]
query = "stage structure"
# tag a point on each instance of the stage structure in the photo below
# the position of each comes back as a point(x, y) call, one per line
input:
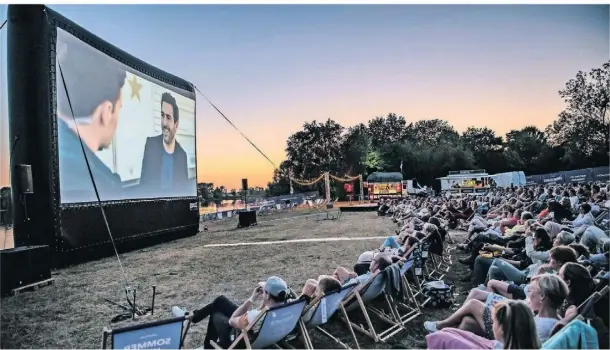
point(110, 140)
point(326, 177)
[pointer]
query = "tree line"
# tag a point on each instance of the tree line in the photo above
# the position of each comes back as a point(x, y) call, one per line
point(428, 149)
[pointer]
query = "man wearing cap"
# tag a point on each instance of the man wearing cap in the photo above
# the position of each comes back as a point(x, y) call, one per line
point(225, 315)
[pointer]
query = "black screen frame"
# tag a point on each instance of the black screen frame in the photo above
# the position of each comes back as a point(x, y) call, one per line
point(32, 37)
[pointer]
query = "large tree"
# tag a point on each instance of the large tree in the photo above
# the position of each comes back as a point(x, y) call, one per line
point(280, 184)
point(315, 149)
point(432, 132)
point(525, 148)
point(582, 128)
point(357, 149)
point(387, 130)
point(486, 147)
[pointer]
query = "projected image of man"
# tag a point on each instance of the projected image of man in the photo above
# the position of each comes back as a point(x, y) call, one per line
point(164, 165)
point(88, 105)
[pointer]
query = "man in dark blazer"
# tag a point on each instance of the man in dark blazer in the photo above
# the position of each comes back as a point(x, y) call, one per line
point(164, 165)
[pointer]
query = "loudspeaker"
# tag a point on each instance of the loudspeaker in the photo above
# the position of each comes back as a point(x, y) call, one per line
point(25, 185)
point(244, 184)
point(247, 218)
point(22, 266)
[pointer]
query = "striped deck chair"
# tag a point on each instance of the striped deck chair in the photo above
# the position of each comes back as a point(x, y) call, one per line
point(360, 300)
point(325, 307)
point(277, 323)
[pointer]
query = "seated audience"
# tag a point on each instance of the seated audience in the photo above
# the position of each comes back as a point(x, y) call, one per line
point(227, 316)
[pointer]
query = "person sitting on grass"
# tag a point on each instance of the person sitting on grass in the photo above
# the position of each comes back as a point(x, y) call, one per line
point(545, 296)
point(227, 316)
point(378, 263)
point(513, 327)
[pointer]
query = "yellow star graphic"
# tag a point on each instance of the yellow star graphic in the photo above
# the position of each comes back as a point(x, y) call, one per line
point(135, 87)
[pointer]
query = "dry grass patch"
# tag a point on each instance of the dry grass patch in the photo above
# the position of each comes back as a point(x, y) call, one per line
point(72, 314)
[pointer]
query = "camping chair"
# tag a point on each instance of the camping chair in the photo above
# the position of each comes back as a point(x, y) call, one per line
point(365, 294)
point(442, 263)
point(414, 286)
point(408, 301)
point(277, 323)
point(325, 307)
point(164, 334)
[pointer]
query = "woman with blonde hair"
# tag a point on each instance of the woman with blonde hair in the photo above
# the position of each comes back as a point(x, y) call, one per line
point(514, 327)
point(546, 294)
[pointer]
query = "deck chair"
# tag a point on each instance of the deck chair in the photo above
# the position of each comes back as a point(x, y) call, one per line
point(408, 301)
point(413, 286)
point(164, 334)
point(360, 300)
point(325, 307)
point(277, 323)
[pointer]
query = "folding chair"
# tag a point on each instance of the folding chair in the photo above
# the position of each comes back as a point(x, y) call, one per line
point(325, 307)
point(277, 323)
point(164, 334)
point(414, 286)
point(365, 294)
point(408, 301)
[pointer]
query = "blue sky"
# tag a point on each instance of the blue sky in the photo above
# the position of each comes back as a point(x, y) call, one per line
point(272, 68)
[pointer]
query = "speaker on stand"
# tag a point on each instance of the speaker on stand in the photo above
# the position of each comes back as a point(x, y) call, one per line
point(247, 217)
point(244, 189)
point(25, 187)
point(24, 267)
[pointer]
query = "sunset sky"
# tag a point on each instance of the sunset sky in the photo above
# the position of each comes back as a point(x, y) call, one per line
point(272, 68)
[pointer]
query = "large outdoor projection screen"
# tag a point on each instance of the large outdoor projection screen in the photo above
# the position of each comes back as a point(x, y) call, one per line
point(138, 133)
point(93, 120)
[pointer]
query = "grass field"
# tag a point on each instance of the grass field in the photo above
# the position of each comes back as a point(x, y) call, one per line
point(71, 314)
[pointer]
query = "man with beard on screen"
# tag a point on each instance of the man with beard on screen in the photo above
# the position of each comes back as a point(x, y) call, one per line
point(94, 84)
point(164, 165)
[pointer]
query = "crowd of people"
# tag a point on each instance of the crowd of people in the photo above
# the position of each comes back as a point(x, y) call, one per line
point(535, 255)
